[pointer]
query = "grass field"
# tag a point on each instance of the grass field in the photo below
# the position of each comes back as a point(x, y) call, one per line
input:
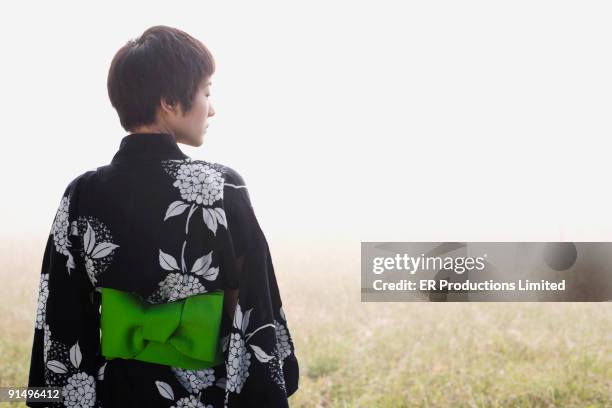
point(355, 354)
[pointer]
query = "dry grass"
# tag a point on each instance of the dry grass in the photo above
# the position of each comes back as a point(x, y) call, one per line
point(355, 354)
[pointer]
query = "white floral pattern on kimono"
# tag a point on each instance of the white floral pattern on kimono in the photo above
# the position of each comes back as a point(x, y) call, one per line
point(201, 184)
point(98, 246)
point(79, 389)
point(195, 380)
point(60, 231)
point(191, 401)
point(43, 293)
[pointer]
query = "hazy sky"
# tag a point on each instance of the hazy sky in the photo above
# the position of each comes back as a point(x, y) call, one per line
point(369, 121)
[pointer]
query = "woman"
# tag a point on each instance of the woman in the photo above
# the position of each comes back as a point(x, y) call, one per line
point(143, 244)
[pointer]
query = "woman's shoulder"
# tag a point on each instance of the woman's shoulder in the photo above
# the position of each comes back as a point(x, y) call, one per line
point(78, 180)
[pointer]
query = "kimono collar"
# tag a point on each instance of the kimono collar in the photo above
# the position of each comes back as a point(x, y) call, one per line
point(148, 146)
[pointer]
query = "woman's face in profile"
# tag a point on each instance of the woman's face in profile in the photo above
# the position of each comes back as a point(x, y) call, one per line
point(190, 127)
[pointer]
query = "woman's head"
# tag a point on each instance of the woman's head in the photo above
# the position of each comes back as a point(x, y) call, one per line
point(160, 82)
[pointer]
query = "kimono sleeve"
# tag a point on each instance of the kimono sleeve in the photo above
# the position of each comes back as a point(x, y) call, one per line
point(240, 227)
point(65, 349)
point(262, 368)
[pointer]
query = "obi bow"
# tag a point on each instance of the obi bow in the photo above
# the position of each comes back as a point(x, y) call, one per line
point(183, 333)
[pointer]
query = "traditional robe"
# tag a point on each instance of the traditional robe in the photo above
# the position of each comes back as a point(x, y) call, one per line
point(162, 226)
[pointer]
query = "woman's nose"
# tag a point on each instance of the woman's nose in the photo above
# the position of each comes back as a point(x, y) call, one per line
point(211, 111)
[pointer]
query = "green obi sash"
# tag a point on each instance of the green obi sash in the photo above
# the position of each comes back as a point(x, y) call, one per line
point(183, 333)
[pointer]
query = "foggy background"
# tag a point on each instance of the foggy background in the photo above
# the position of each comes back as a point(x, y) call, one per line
point(348, 120)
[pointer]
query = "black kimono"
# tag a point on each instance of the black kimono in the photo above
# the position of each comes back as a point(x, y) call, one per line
point(158, 224)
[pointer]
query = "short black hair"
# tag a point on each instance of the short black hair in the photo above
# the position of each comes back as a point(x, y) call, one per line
point(162, 62)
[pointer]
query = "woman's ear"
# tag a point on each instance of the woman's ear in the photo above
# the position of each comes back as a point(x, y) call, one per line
point(169, 109)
